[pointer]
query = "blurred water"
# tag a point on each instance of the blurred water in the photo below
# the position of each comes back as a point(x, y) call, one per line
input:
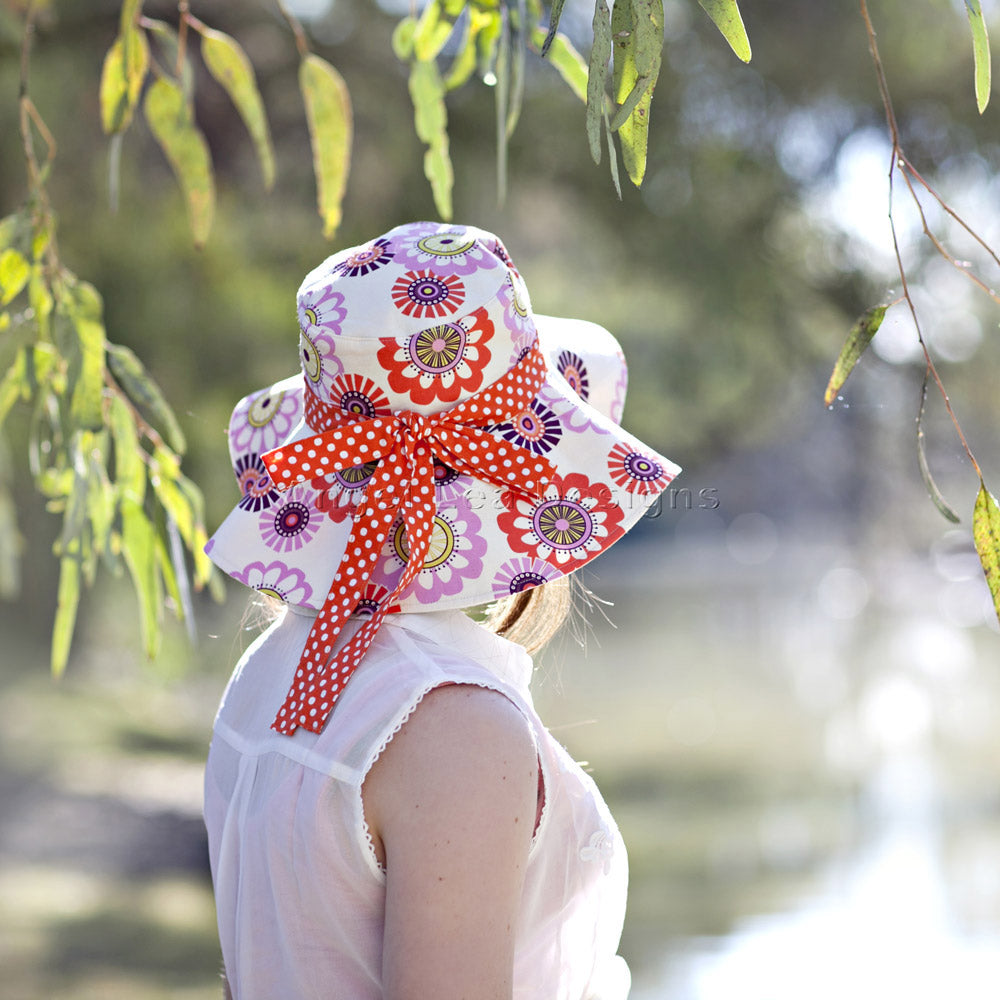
point(892, 886)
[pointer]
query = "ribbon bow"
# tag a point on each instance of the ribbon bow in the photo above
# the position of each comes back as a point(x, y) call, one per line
point(405, 445)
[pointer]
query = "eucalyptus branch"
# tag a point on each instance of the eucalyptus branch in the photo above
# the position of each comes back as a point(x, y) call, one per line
point(301, 42)
point(899, 161)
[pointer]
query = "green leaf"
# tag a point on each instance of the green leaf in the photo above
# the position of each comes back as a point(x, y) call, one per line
point(612, 157)
point(170, 121)
point(328, 113)
point(980, 52)
point(11, 544)
point(402, 38)
point(130, 470)
point(67, 602)
point(14, 274)
point(143, 390)
point(726, 15)
point(129, 14)
point(101, 495)
point(986, 532)
point(167, 38)
point(88, 389)
point(935, 493)
point(13, 385)
point(228, 63)
point(430, 119)
point(122, 76)
point(550, 35)
point(431, 32)
point(857, 342)
point(139, 550)
point(637, 28)
point(597, 77)
point(570, 65)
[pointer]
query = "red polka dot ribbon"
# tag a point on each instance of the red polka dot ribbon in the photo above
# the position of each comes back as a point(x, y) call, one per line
point(404, 444)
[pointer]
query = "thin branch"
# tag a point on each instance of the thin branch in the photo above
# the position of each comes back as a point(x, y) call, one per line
point(899, 161)
point(301, 42)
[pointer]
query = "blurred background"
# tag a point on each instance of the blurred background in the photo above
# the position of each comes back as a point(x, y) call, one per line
point(785, 681)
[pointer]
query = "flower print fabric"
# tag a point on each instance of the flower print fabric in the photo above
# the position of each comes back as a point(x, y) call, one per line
point(440, 362)
point(573, 520)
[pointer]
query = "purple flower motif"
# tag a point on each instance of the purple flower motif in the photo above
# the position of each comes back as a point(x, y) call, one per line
point(264, 419)
point(455, 554)
point(572, 368)
point(572, 416)
point(321, 309)
point(365, 259)
point(292, 522)
point(536, 428)
point(621, 386)
point(513, 295)
point(319, 361)
point(276, 579)
point(522, 573)
point(255, 484)
point(444, 249)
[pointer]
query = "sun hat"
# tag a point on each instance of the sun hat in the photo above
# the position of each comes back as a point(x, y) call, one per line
point(442, 447)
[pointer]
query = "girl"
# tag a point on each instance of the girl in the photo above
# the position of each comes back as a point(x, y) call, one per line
point(388, 819)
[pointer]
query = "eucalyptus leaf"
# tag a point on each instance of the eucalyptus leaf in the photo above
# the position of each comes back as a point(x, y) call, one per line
point(228, 63)
point(67, 603)
point(14, 274)
point(597, 76)
point(331, 128)
point(130, 469)
point(430, 119)
point(980, 52)
point(565, 59)
point(986, 533)
point(550, 36)
point(142, 389)
point(139, 551)
point(857, 342)
point(88, 390)
point(431, 32)
point(169, 117)
point(937, 497)
point(727, 18)
point(122, 75)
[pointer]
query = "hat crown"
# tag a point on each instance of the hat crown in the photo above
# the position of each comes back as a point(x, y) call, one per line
point(418, 319)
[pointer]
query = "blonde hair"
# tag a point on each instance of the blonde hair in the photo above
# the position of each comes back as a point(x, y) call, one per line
point(532, 617)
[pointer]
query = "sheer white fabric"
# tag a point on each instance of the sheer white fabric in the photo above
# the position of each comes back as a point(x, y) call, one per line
point(299, 893)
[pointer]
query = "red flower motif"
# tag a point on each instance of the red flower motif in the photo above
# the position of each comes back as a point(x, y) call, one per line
point(424, 293)
point(441, 362)
point(573, 521)
point(359, 397)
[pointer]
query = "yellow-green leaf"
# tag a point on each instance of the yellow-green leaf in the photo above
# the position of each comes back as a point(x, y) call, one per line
point(937, 497)
point(550, 36)
point(986, 532)
point(67, 602)
point(857, 342)
point(430, 119)
point(228, 63)
point(122, 76)
point(402, 38)
point(726, 15)
point(88, 390)
point(331, 126)
point(980, 52)
point(431, 32)
point(130, 471)
point(129, 14)
point(13, 385)
point(597, 76)
point(14, 274)
point(567, 61)
point(170, 121)
point(139, 550)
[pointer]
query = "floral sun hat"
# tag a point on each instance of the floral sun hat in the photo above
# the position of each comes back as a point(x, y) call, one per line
point(442, 447)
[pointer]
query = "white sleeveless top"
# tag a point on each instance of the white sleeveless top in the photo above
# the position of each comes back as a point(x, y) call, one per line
point(299, 893)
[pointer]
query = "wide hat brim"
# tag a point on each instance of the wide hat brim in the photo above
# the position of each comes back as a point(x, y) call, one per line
point(290, 544)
